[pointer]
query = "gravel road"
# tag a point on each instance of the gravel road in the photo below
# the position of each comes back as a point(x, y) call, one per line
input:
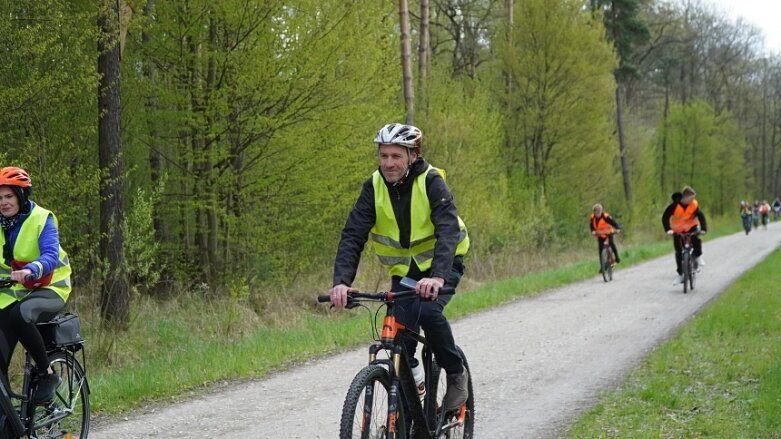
point(537, 362)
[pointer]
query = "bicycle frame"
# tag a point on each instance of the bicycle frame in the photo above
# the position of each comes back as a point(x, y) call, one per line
point(21, 422)
point(390, 340)
point(687, 263)
point(399, 370)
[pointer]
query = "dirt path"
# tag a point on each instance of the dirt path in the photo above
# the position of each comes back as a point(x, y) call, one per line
point(537, 362)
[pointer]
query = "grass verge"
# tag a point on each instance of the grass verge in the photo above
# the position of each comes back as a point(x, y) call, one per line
point(187, 344)
point(720, 376)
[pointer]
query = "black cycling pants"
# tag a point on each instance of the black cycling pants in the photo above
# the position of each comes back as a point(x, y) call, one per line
point(17, 324)
point(696, 244)
point(600, 244)
point(415, 314)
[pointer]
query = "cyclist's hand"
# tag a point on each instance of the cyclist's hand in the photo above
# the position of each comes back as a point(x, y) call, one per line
point(670, 232)
point(339, 296)
point(428, 287)
point(20, 275)
point(594, 233)
point(702, 232)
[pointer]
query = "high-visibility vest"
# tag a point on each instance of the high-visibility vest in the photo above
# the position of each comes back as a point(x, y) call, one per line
point(764, 208)
point(601, 227)
point(684, 220)
point(385, 233)
point(26, 250)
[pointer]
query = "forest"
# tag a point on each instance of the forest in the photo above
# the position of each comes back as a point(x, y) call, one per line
point(216, 147)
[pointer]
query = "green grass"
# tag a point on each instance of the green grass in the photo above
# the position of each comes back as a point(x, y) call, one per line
point(188, 344)
point(720, 376)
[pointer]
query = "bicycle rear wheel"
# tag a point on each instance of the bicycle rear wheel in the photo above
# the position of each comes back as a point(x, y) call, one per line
point(464, 430)
point(67, 415)
point(692, 273)
point(604, 261)
point(365, 410)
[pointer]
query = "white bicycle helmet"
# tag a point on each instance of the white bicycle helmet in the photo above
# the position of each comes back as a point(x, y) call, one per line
point(399, 134)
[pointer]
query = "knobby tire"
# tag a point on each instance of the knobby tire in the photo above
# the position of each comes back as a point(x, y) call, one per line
point(438, 375)
point(376, 378)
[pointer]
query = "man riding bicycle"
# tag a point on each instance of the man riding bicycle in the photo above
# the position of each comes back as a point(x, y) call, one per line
point(604, 226)
point(683, 215)
point(408, 212)
point(32, 256)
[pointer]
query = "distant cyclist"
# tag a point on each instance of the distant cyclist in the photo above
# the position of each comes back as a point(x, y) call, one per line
point(684, 215)
point(745, 215)
point(604, 226)
point(776, 209)
point(764, 212)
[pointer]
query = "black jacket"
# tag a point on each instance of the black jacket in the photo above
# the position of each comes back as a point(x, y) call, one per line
point(671, 208)
point(444, 216)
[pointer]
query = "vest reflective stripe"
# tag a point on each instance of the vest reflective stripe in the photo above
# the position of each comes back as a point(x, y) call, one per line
point(385, 233)
point(601, 226)
point(684, 220)
point(26, 249)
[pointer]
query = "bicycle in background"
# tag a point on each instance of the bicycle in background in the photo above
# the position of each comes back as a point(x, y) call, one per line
point(67, 414)
point(383, 400)
point(688, 262)
point(607, 259)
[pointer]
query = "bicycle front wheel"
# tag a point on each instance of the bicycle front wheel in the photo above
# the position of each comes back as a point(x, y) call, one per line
point(453, 428)
point(365, 410)
point(687, 271)
point(67, 415)
point(604, 262)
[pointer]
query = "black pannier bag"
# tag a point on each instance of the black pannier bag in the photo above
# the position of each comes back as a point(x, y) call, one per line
point(63, 330)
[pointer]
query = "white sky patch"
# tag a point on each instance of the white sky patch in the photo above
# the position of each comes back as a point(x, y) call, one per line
point(766, 14)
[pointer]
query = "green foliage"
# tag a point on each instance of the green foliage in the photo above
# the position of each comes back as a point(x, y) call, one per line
point(705, 151)
point(142, 262)
point(558, 110)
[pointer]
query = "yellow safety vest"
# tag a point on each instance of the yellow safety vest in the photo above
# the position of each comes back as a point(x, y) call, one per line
point(385, 233)
point(26, 249)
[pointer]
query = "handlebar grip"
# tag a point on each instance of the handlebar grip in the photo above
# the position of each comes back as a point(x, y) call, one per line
point(29, 278)
point(447, 290)
point(324, 298)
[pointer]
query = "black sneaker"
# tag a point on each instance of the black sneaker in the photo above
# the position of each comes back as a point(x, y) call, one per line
point(46, 386)
point(457, 390)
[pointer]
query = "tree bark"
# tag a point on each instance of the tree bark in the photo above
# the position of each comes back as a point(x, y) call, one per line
point(663, 165)
point(622, 147)
point(115, 294)
point(406, 65)
point(424, 54)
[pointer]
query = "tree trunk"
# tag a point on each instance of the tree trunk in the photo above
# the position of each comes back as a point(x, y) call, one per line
point(663, 164)
point(115, 294)
point(155, 158)
point(622, 147)
point(406, 65)
point(424, 54)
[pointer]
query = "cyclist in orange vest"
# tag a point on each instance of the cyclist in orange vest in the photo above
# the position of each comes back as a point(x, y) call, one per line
point(764, 212)
point(683, 215)
point(603, 225)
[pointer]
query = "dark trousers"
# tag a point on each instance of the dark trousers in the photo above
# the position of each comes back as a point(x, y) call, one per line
point(696, 244)
point(416, 314)
point(601, 244)
point(17, 324)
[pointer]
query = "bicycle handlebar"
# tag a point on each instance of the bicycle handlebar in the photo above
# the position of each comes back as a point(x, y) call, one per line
point(7, 281)
point(385, 296)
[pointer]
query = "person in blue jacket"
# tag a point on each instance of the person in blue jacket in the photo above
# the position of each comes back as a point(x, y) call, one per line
point(32, 257)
